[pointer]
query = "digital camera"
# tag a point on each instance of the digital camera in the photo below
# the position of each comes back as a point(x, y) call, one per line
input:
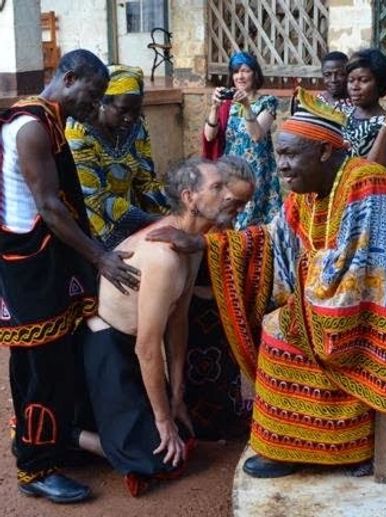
point(227, 93)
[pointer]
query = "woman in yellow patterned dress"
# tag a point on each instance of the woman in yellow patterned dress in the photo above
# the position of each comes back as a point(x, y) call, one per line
point(114, 162)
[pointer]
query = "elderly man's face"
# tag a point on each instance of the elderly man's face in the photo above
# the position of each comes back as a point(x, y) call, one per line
point(299, 162)
point(212, 196)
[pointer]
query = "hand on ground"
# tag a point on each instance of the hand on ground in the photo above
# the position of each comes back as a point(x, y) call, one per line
point(170, 442)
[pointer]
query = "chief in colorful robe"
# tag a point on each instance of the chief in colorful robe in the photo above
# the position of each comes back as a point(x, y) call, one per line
point(303, 301)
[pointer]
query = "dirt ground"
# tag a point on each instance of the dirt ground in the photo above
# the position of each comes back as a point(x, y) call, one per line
point(204, 491)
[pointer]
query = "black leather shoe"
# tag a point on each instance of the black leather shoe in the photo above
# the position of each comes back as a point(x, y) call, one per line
point(359, 470)
point(259, 467)
point(57, 488)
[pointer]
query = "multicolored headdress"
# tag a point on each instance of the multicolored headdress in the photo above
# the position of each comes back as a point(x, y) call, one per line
point(125, 80)
point(243, 58)
point(313, 119)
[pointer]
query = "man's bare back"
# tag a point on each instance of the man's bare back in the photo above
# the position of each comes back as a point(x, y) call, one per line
point(146, 408)
point(154, 260)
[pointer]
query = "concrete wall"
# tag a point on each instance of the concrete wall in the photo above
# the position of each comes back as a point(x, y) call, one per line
point(188, 20)
point(21, 48)
point(21, 58)
point(27, 31)
point(350, 25)
point(82, 24)
point(85, 24)
point(7, 20)
point(165, 128)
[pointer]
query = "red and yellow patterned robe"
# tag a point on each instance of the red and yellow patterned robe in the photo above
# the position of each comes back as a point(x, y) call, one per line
point(303, 303)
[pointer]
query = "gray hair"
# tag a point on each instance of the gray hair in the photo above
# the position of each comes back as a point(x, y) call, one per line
point(235, 167)
point(184, 175)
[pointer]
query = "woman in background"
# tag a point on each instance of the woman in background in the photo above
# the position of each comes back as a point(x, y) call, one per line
point(114, 162)
point(366, 84)
point(241, 126)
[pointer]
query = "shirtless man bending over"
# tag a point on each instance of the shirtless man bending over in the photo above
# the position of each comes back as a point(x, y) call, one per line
point(138, 414)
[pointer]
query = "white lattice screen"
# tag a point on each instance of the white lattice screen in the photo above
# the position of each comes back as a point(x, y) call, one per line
point(289, 37)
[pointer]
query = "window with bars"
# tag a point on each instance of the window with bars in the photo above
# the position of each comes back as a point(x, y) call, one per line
point(144, 15)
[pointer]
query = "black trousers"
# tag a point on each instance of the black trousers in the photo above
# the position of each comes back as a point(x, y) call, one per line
point(42, 385)
point(122, 410)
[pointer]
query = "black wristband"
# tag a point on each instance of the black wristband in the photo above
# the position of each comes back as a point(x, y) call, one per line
point(210, 123)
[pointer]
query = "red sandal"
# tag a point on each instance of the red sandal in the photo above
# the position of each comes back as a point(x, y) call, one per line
point(136, 485)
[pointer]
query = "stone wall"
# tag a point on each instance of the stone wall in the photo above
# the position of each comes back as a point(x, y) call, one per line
point(165, 128)
point(188, 22)
point(350, 26)
point(195, 108)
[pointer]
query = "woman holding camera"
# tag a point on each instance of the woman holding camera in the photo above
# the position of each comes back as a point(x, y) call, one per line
point(239, 124)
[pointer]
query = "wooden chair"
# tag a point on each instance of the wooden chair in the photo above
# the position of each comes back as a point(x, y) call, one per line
point(161, 50)
point(51, 51)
